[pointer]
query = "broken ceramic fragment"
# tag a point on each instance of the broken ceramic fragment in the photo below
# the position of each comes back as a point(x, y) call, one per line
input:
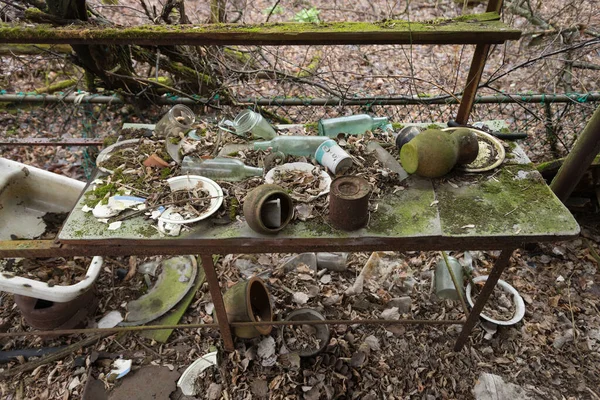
point(188, 378)
point(175, 280)
point(121, 368)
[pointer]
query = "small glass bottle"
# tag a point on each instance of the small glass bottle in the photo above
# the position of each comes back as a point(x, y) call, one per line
point(219, 168)
point(350, 125)
point(178, 119)
point(249, 121)
point(292, 145)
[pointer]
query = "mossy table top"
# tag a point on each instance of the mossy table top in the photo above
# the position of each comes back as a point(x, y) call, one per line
point(502, 208)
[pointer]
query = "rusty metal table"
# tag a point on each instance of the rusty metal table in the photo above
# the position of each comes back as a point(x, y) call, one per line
point(498, 210)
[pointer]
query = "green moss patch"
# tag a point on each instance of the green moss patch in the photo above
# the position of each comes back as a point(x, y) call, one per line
point(512, 201)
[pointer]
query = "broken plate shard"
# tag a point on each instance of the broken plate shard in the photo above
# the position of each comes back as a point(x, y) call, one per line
point(176, 279)
point(121, 368)
point(110, 320)
point(188, 379)
point(117, 204)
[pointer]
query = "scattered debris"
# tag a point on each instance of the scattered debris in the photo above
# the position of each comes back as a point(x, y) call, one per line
point(493, 387)
point(390, 313)
point(300, 298)
point(259, 388)
point(404, 304)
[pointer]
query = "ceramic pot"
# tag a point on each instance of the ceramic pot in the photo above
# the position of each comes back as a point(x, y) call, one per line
point(468, 145)
point(405, 135)
point(268, 209)
point(430, 154)
point(249, 301)
point(44, 314)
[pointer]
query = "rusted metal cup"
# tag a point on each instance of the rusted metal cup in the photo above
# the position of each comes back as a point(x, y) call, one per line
point(349, 202)
point(268, 209)
point(249, 301)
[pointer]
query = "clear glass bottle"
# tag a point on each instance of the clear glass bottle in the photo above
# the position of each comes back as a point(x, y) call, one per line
point(219, 168)
point(350, 125)
point(178, 119)
point(249, 121)
point(292, 145)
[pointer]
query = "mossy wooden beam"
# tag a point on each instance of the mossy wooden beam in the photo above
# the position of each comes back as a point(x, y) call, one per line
point(470, 29)
point(32, 49)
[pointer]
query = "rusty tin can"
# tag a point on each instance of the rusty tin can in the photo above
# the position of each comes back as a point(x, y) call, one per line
point(349, 202)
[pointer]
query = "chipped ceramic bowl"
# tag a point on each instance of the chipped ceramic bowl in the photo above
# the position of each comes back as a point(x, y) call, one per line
point(516, 298)
point(186, 182)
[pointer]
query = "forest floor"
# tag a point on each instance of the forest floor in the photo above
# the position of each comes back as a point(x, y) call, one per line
point(553, 353)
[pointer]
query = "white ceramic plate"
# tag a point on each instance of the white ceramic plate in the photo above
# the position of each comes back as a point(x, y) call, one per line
point(516, 298)
point(190, 182)
point(325, 179)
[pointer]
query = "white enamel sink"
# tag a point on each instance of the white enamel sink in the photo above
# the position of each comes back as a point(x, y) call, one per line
point(27, 193)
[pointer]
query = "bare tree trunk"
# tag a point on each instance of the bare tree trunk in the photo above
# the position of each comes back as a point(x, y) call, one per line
point(112, 64)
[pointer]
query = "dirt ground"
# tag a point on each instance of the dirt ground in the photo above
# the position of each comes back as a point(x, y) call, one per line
point(554, 353)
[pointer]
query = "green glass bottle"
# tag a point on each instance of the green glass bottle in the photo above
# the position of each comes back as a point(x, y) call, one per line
point(220, 168)
point(350, 125)
point(292, 145)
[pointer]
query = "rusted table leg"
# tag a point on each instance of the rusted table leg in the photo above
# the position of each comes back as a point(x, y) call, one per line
point(217, 299)
point(483, 297)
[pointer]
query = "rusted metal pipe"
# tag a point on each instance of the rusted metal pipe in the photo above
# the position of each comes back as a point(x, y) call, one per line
point(217, 298)
point(60, 332)
point(577, 98)
point(579, 159)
